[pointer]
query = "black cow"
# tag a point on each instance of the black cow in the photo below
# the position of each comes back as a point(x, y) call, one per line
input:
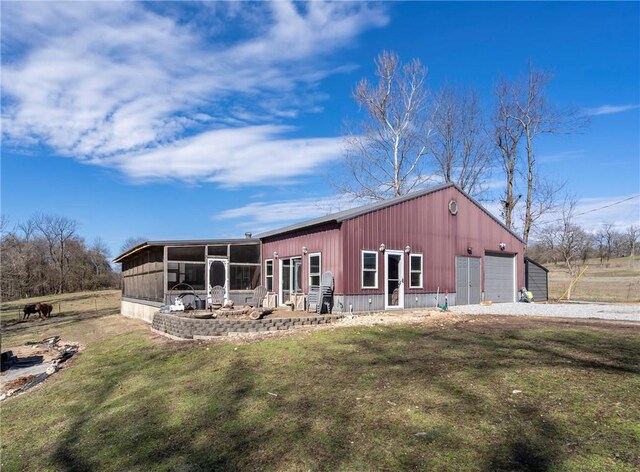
point(28, 310)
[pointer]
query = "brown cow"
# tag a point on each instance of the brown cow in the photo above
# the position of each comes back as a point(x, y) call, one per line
point(44, 309)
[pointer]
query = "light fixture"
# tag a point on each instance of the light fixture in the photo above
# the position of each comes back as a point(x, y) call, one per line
point(503, 246)
point(469, 250)
point(382, 247)
point(248, 235)
point(275, 254)
point(304, 250)
point(407, 249)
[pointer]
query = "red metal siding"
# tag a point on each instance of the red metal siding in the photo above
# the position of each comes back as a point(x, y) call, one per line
point(425, 224)
point(325, 240)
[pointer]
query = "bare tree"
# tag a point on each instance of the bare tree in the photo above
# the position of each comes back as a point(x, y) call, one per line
point(632, 235)
point(544, 199)
point(30, 262)
point(607, 238)
point(58, 231)
point(459, 140)
point(132, 242)
point(528, 114)
point(99, 256)
point(384, 158)
point(507, 135)
point(571, 240)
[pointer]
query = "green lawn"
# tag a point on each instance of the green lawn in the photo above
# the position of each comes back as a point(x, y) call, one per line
point(432, 397)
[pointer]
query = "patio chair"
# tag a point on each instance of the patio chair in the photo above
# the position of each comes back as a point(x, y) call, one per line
point(321, 295)
point(258, 296)
point(217, 295)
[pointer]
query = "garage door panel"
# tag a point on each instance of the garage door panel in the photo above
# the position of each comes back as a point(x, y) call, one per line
point(499, 282)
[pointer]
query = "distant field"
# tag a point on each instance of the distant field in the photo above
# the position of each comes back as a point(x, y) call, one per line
point(101, 302)
point(615, 281)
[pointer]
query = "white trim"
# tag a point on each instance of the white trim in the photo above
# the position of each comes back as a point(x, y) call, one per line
point(225, 262)
point(362, 269)
point(281, 292)
point(515, 279)
point(421, 270)
point(309, 256)
point(280, 282)
point(272, 273)
point(400, 304)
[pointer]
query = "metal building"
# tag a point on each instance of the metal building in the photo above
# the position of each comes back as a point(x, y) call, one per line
point(536, 279)
point(407, 252)
point(400, 253)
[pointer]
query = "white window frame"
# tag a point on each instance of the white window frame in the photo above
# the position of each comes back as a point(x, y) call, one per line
point(272, 273)
point(362, 270)
point(411, 271)
point(309, 256)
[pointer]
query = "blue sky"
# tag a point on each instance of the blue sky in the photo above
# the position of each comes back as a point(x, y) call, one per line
point(206, 120)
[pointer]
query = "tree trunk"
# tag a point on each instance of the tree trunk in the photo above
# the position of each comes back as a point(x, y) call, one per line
point(527, 215)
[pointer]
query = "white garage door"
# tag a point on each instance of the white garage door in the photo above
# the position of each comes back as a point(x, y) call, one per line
point(499, 277)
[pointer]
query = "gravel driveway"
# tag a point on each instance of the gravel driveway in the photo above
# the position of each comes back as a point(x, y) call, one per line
point(565, 310)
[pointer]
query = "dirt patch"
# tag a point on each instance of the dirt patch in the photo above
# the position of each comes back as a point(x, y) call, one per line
point(27, 365)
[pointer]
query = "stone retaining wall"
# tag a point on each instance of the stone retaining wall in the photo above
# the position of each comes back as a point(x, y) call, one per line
point(179, 327)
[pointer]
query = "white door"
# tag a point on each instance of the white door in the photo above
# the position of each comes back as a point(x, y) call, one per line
point(394, 279)
point(217, 275)
point(290, 278)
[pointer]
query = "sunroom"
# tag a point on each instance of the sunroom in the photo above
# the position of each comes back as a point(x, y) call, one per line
point(155, 272)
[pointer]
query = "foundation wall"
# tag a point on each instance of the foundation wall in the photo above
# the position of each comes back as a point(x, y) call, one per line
point(139, 309)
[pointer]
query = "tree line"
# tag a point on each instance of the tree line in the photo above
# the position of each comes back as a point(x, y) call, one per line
point(410, 135)
point(45, 255)
point(566, 243)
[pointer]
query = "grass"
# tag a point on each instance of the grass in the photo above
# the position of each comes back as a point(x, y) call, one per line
point(102, 302)
point(617, 280)
point(430, 397)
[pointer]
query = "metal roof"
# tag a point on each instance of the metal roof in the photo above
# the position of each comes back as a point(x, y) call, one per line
point(182, 242)
point(528, 259)
point(358, 211)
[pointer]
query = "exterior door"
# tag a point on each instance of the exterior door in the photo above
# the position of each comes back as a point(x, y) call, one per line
point(290, 277)
point(394, 279)
point(467, 280)
point(217, 275)
point(499, 277)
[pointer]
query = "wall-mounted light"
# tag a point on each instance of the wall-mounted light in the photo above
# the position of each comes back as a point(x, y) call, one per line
point(304, 250)
point(503, 246)
point(469, 250)
point(275, 254)
point(407, 249)
point(382, 247)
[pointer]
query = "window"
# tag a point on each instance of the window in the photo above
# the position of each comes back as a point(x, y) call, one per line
point(245, 253)
point(314, 269)
point(369, 269)
point(186, 253)
point(415, 273)
point(218, 250)
point(268, 274)
point(189, 273)
point(244, 277)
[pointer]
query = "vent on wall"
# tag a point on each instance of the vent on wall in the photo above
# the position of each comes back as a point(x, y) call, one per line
point(453, 207)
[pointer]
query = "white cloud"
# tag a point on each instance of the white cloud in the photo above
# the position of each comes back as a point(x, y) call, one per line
point(610, 109)
point(263, 216)
point(230, 157)
point(115, 83)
